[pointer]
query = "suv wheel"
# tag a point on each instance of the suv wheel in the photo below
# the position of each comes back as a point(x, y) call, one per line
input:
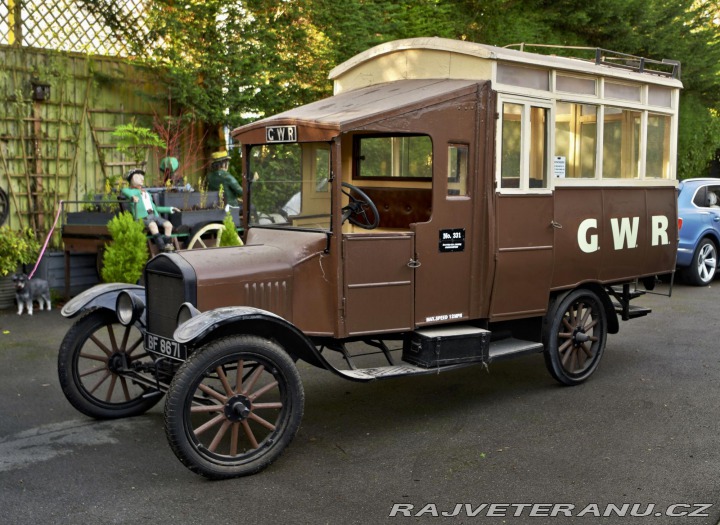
point(704, 264)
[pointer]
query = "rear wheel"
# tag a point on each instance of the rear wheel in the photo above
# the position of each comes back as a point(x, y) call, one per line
point(703, 267)
point(95, 364)
point(233, 407)
point(575, 336)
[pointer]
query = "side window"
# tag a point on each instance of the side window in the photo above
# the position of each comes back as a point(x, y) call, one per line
point(658, 146)
point(524, 146)
point(389, 157)
point(708, 197)
point(457, 169)
point(575, 140)
point(700, 198)
point(511, 145)
point(621, 143)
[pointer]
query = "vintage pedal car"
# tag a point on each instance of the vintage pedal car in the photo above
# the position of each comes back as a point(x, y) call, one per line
point(452, 204)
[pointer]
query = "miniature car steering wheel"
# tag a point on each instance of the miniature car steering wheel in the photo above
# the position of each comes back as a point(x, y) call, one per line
point(357, 209)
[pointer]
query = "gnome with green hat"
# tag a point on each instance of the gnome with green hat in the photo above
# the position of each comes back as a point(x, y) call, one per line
point(220, 176)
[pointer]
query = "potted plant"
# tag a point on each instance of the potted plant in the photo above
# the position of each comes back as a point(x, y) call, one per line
point(17, 249)
point(125, 258)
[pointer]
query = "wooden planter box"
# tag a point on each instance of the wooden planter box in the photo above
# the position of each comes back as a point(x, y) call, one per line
point(193, 217)
point(186, 200)
point(96, 218)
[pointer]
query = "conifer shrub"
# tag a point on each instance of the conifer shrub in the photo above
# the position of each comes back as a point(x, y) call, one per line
point(229, 236)
point(125, 258)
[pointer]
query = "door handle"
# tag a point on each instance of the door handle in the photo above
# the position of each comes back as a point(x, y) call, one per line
point(556, 225)
point(413, 263)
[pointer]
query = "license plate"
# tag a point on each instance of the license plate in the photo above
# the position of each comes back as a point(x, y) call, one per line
point(165, 347)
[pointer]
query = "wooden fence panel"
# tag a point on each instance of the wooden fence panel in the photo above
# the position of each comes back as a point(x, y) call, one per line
point(60, 147)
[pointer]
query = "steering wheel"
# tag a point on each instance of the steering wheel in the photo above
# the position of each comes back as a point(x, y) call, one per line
point(357, 209)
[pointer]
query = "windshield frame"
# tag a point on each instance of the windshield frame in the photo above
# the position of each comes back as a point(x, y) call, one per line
point(276, 208)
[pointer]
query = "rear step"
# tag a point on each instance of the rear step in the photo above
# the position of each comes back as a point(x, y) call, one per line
point(496, 351)
point(633, 311)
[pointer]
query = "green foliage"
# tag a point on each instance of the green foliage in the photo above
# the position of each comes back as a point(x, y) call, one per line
point(125, 258)
point(17, 247)
point(135, 140)
point(231, 62)
point(229, 236)
point(699, 139)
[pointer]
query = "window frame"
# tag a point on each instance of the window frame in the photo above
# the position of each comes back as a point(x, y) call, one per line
point(526, 138)
point(356, 156)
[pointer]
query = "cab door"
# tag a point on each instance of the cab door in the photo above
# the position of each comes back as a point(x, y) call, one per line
point(378, 281)
point(444, 281)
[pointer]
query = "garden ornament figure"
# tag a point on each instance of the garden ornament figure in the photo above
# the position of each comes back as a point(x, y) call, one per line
point(144, 208)
point(168, 167)
point(220, 176)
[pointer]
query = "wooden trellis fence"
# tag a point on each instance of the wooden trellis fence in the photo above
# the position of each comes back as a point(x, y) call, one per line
point(56, 115)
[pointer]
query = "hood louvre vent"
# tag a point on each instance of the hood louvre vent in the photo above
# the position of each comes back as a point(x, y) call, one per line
point(273, 296)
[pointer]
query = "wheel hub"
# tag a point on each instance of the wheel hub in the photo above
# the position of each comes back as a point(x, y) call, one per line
point(579, 336)
point(116, 363)
point(238, 408)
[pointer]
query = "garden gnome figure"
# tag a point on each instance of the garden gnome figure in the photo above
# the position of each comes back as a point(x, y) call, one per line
point(143, 208)
point(168, 167)
point(220, 176)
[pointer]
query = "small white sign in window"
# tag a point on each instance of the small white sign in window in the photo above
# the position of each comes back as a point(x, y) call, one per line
point(559, 167)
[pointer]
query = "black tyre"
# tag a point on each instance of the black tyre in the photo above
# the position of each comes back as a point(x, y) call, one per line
point(94, 362)
point(575, 336)
point(703, 267)
point(233, 407)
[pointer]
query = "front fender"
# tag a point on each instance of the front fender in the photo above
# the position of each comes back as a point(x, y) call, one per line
point(100, 296)
point(233, 320)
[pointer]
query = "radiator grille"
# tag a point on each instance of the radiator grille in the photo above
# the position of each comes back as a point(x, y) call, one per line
point(165, 294)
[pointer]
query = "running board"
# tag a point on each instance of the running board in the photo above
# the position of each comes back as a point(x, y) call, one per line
point(511, 347)
point(499, 350)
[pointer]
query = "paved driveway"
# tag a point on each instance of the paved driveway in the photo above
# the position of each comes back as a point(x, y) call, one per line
point(641, 434)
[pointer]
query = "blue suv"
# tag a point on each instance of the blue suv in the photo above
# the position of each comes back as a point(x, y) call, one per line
point(699, 221)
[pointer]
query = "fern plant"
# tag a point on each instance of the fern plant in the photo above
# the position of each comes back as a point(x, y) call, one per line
point(125, 258)
point(134, 141)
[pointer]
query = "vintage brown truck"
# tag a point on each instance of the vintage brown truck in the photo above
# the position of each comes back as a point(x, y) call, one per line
point(452, 204)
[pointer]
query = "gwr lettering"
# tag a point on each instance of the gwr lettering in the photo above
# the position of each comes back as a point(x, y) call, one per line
point(624, 231)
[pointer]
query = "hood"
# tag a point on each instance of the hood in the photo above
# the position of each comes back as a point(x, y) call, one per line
point(259, 274)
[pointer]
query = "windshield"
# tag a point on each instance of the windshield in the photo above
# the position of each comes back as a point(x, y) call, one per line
point(289, 185)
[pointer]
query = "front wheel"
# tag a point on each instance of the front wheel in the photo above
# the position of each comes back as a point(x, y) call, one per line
point(233, 407)
point(96, 364)
point(575, 336)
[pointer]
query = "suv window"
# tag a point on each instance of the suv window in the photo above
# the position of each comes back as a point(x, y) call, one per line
point(707, 197)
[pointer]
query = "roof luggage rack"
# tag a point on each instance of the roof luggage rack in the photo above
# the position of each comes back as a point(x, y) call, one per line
point(664, 67)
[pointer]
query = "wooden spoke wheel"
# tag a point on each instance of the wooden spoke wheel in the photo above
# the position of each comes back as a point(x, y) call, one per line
point(207, 236)
point(233, 407)
point(95, 364)
point(575, 336)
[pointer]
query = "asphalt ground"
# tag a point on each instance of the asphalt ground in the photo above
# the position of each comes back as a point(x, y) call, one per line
point(641, 434)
